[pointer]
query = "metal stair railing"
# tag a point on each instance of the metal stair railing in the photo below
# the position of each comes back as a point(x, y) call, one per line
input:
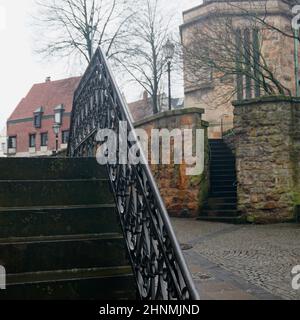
point(158, 264)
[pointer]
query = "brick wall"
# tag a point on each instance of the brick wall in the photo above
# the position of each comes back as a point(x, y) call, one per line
point(22, 130)
point(183, 194)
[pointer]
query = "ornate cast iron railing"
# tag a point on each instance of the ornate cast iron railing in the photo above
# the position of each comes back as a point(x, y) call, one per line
point(158, 264)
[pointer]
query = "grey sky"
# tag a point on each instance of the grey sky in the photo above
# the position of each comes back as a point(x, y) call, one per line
point(20, 68)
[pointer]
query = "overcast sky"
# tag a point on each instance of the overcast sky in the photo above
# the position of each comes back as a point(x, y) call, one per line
point(20, 68)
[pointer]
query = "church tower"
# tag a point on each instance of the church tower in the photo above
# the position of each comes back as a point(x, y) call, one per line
point(277, 51)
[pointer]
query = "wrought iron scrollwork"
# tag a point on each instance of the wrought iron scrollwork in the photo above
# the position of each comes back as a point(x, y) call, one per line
point(158, 264)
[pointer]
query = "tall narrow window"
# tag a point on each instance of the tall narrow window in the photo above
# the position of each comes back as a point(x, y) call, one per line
point(32, 141)
point(12, 142)
point(44, 139)
point(247, 55)
point(58, 114)
point(65, 137)
point(256, 62)
point(37, 118)
point(248, 63)
point(239, 65)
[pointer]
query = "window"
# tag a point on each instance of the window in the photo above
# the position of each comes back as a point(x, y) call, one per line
point(37, 119)
point(248, 55)
point(44, 139)
point(12, 142)
point(32, 141)
point(65, 137)
point(58, 114)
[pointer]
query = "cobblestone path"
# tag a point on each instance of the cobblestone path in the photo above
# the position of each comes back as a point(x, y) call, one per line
point(241, 261)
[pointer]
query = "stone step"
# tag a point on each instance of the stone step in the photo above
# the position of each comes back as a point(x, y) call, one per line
point(31, 254)
point(220, 206)
point(60, 236)
point(54, 193)
point(221, 171)
point(219, 146)
point(50, 168)
point(233, 220)
point(223, 194)
point(216, 141)
point(220, 188)
point(112, 283)
point(47, 221)
point(220, 200)
point(219, 213)
point(221, 151)
point(222, 165)
point(222, 159)
point(224, 176)
point(220, 182)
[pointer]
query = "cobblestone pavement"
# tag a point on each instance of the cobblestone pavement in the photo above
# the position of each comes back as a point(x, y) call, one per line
point(240, 261)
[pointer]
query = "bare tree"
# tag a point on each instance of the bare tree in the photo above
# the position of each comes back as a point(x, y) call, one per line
point(77, 27)
point(143, 58)
point(231, 51)
point(291, 3)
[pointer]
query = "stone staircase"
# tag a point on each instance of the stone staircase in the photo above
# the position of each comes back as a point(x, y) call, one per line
point(59, 232)
point(222, 201)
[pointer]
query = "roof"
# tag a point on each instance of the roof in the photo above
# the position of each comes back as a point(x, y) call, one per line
point(47, 95)
point(142, 109)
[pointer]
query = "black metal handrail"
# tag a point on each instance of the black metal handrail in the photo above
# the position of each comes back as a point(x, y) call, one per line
point(158, 263)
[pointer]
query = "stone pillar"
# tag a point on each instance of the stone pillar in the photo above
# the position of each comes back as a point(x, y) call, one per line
point(267, 148)
point(183, 195)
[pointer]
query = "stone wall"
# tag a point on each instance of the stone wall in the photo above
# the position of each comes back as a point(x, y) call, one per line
point(183, 195)
point(268, 158)
point(229, 138)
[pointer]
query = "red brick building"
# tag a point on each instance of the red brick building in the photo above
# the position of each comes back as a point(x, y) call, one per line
point(30, 127)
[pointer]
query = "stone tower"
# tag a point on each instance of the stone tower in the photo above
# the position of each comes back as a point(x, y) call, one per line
point(276, 48)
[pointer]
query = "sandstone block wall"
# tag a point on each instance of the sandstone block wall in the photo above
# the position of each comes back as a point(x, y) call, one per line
point(183, 195)
point(267, 148)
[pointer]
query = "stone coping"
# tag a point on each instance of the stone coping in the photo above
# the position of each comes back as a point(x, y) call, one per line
point(266, 99)
point(214, 8)
point(171, 113)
